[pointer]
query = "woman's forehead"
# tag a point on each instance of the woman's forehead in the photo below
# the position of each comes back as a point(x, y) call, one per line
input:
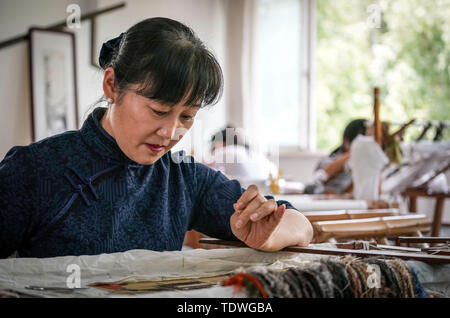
point(172, 106)
point(163, 103)
point(169, 106)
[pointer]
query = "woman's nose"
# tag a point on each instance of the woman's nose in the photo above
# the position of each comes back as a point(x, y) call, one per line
point(175, 134)
point(168, 129)
point(164, 132)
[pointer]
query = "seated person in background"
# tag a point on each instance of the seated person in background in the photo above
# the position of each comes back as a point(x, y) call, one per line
point(332, 174)
point(236, 159)
point(233, 157)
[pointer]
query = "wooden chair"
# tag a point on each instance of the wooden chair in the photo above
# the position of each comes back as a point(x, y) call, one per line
point(379, 228)
point(421, 190)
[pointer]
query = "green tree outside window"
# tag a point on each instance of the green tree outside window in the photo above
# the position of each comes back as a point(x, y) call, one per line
point(406, 54)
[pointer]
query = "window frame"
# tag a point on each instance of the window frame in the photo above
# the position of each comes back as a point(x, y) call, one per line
point(307, 112)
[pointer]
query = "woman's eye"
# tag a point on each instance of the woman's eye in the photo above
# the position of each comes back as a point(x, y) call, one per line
point(185, 117)
point(159, 113)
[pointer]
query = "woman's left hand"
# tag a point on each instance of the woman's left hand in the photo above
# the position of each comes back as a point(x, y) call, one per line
point(255, 218)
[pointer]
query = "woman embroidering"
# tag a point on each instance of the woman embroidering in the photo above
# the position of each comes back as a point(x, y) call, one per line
point(114, 185)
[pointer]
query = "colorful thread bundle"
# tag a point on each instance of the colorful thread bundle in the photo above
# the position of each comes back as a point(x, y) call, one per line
point(346, 277)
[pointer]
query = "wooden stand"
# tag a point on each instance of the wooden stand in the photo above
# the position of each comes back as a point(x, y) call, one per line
point(413, 193)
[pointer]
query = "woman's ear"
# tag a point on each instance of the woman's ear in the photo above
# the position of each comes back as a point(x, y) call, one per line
point(108, 85)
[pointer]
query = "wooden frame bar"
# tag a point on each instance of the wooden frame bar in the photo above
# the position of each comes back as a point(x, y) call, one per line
point(376, 111)
point(315, 216)
point(409, 239)
point(377, 227)
point(427, 258)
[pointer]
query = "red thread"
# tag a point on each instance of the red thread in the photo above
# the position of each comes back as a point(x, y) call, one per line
point(109, 286)
point(238, 282)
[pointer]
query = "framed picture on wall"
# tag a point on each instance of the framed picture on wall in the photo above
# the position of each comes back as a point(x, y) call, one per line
point(53, 85)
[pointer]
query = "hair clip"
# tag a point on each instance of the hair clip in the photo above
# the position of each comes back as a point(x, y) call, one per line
point(108, 49)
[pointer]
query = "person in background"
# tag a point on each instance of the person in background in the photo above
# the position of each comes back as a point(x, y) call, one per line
point(332, 174)
point(234, 157)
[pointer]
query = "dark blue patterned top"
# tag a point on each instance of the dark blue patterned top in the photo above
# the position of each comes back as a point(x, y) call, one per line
point(78, 194)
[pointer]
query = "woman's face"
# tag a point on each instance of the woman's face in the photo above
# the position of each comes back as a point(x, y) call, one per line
point(146, 129)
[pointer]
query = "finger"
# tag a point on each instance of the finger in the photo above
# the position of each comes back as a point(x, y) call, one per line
point(248, 195)
point(267, 208)
point(251, 208)
point(254, 205)
point(278, 214)
point(238, 211)
point(280, 211)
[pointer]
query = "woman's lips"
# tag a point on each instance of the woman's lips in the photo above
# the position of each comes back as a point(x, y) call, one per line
point(155, 148)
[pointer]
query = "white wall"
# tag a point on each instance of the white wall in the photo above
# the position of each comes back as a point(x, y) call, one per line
point(299, 166)
point(16, 16)
point(15, 120)
point(206, 17)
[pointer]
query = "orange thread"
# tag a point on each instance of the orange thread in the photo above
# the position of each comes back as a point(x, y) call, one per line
point(238, 282)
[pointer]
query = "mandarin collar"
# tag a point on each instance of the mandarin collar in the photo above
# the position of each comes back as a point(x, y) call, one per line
point(101, 142)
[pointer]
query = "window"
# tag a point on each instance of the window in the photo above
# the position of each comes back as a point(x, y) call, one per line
point(401, 46)
point(316, 63)
point(277, 81)
point(279, 49)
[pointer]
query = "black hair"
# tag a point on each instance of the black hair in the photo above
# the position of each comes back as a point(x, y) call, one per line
point(221, 136)
point(352, 130)
point(166, 61)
